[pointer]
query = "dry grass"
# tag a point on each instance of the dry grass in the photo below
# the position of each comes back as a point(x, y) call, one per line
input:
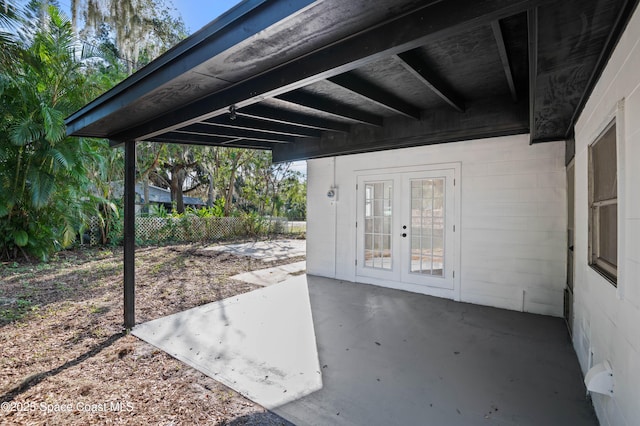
point(63, 347)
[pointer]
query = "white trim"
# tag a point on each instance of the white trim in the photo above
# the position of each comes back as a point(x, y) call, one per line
point(377, 173)
point(622, 196)
point(409, 169)
point(615, 117)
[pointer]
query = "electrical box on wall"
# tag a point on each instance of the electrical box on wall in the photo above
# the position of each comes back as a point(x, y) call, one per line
point(332, 193)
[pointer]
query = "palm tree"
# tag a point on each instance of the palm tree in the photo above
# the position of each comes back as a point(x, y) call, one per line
point(9, 18)
point(44, 189)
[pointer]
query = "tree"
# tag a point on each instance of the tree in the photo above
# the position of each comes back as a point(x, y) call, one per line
point(175, 163)
point(274, 189)
point(141, 29)
point(295, 195)
point(45, 193)
point(10, 16)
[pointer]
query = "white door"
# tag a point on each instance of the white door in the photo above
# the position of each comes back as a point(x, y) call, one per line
point(406, 227)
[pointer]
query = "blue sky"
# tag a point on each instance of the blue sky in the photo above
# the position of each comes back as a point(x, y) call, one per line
point(198, 13)
point(195, 13)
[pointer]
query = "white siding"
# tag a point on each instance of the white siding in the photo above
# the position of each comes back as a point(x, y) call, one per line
point(513, 218)
point(607, 321)
point(321, 213)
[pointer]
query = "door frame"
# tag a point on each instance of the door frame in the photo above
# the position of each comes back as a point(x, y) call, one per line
point(453, 293)
point(571, 205)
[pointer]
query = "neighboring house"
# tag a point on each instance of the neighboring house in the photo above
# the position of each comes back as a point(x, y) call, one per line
point(158, 197)
point(162, 197)
point(485, 152)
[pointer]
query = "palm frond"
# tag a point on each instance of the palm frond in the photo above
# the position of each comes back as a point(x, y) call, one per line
point(54, 126)
point(25, 132)
point(41, 187)
point(59, 158)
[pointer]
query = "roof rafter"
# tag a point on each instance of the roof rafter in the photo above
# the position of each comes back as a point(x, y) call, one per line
point(196, 139)
point(219, 131)
point(250, 123)
point(502, 50)
point(331, 107)
point(375, 94)
point(417, 67)
point(492, 117)
point(411, 30)
point(275, 115)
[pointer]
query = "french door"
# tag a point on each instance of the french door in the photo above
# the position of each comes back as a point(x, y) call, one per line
point(406, 226)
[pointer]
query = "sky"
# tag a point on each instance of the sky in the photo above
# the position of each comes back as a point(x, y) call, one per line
point(195, 13)
point(198, 13)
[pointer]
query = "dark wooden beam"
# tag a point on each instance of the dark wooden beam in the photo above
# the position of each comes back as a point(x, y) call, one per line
point(195, 139)
point(485, 118)
point(374, 94)
point(331, 107)
point(532, 25)
point(504, 57)
point(129, 233)
point(267, 113)
point(174, 137)
point(228, 132)
point(410, 30)
point(248, 123)
point(416, 66)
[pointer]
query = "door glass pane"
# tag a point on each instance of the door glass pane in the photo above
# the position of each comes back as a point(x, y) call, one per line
point(378, 216)
point(427, 226)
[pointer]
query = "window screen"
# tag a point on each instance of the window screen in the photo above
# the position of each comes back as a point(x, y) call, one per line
point(603, 204)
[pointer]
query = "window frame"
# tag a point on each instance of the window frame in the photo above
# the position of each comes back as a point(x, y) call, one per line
point(595, 261)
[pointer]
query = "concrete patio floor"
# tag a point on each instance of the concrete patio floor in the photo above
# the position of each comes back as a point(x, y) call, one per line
point(318, 351)
point(266, 251)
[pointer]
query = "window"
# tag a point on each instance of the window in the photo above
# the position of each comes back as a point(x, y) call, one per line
point(378, 197)
point(603, 204)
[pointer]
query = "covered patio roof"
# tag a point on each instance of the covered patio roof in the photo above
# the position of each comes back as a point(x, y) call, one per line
point(309, 79)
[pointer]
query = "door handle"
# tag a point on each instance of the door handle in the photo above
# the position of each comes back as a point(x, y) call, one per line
point(404, 235)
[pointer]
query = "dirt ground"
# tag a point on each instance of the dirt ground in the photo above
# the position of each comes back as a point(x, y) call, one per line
point(66, 359)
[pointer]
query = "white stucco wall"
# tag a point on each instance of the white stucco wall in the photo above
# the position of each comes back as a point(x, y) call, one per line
point(513, 218)
point(607, 320)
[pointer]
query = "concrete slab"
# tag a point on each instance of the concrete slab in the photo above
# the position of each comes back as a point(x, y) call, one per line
point(385, 357)
point(275, 275)
point(262, 343)
point(265, 250)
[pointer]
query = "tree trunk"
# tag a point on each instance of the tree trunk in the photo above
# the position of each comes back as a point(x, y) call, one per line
point(229, 198)
point(177, 180)
point(145, 206)
point(211, 194)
